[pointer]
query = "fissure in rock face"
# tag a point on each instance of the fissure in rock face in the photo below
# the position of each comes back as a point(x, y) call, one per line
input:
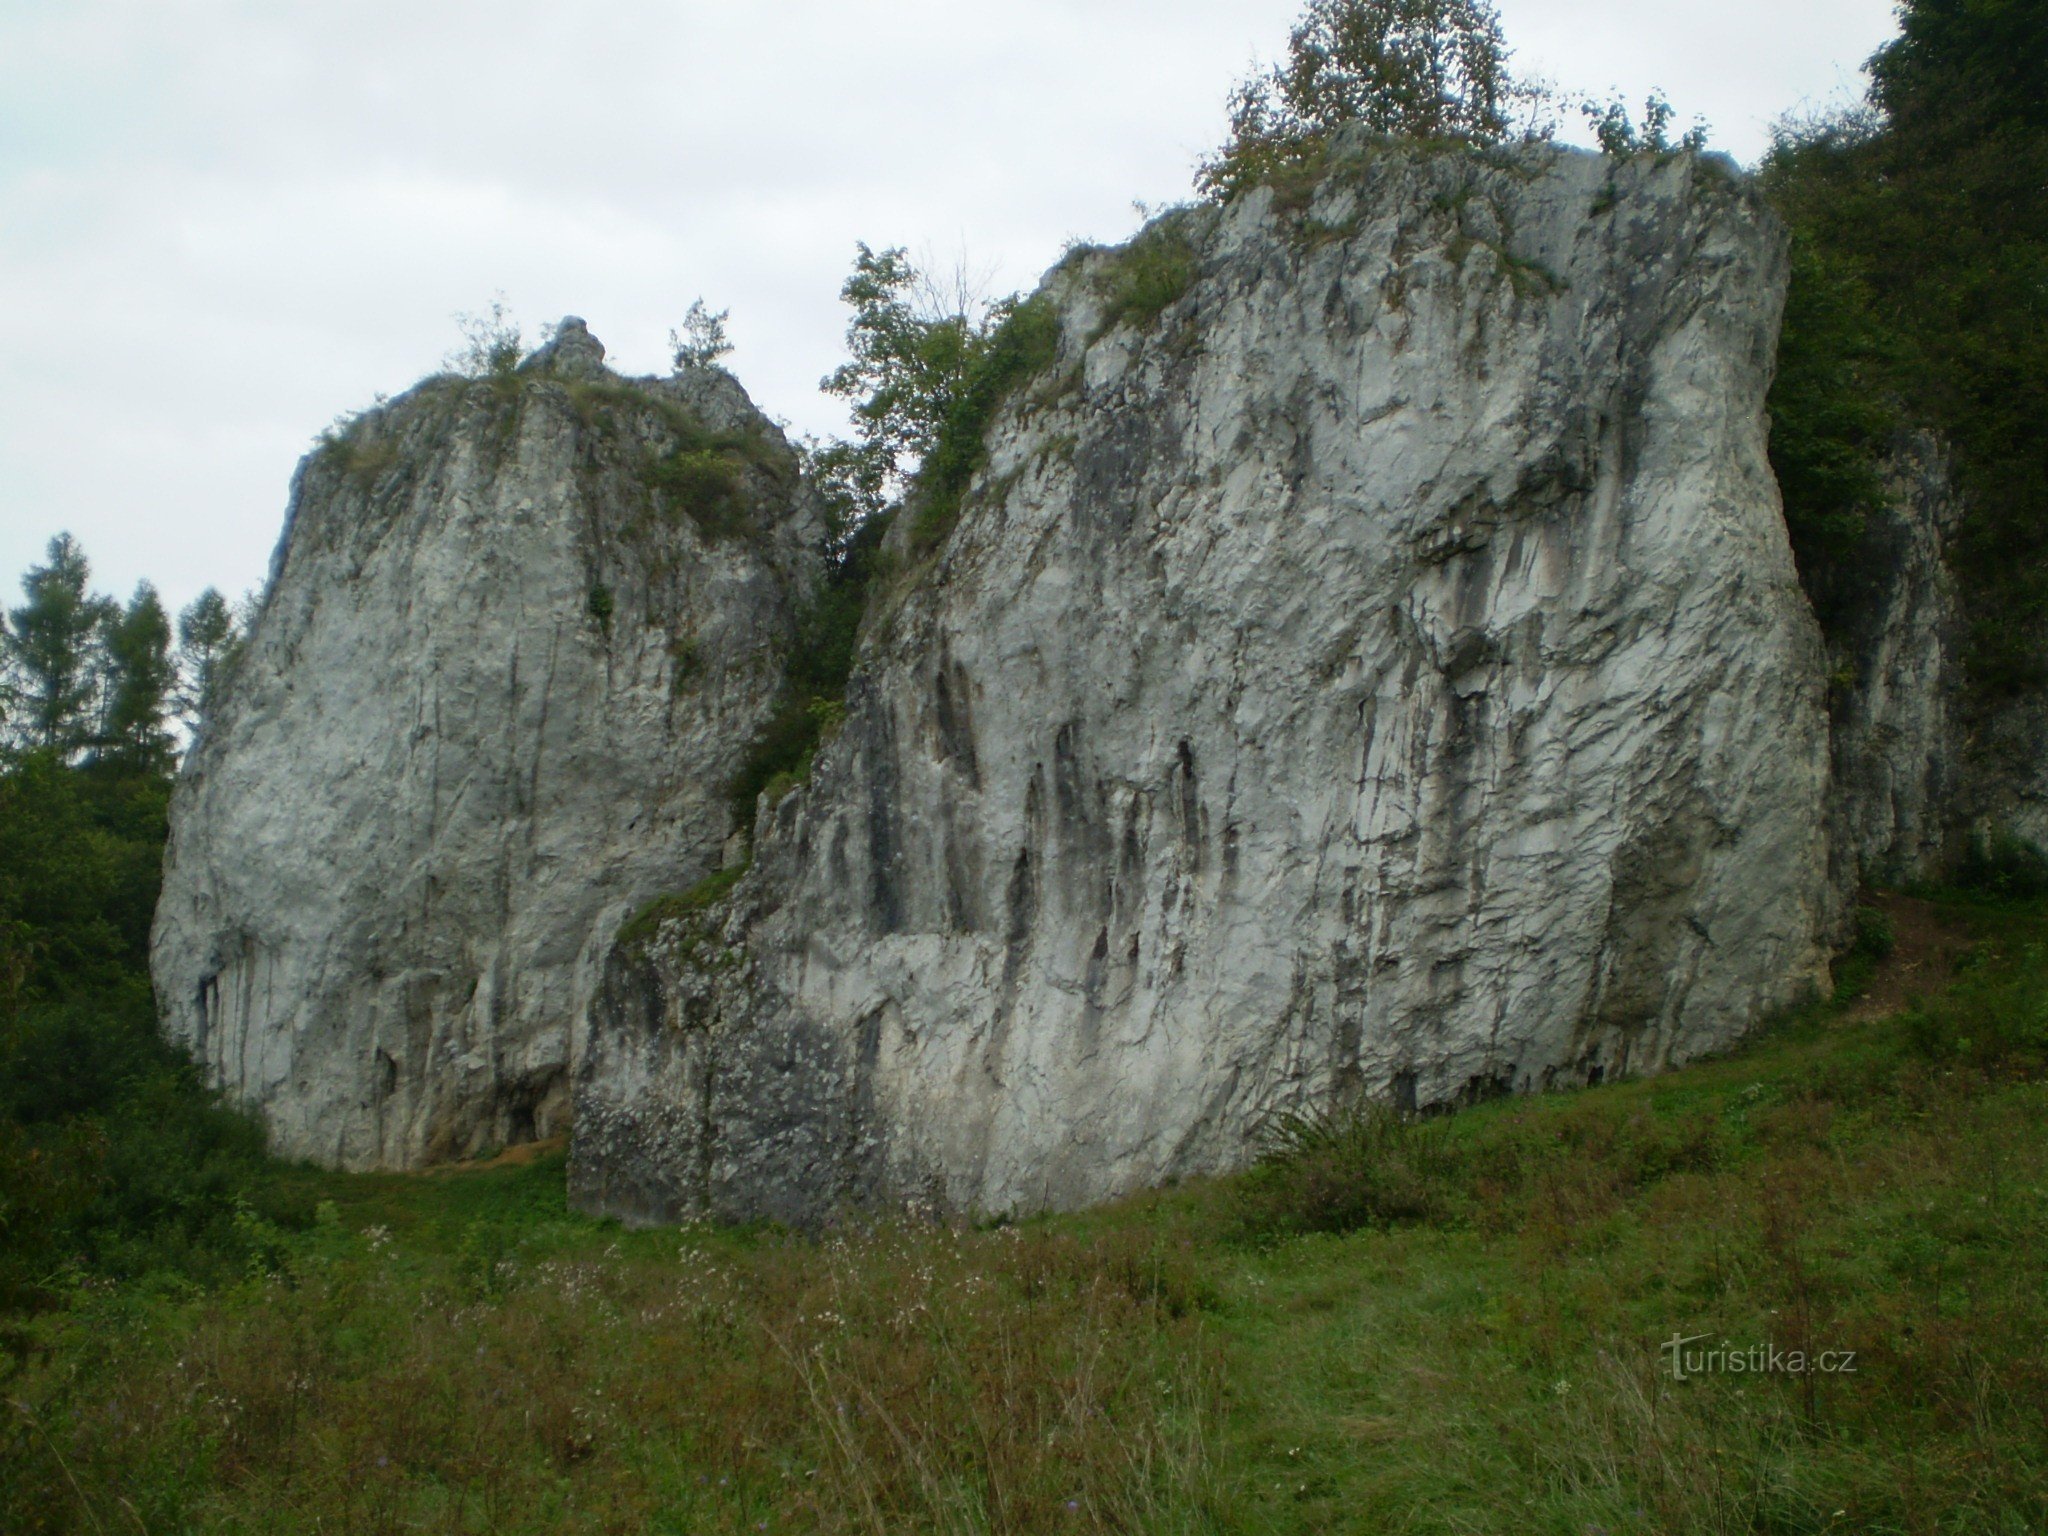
point(518, 632)
point(1378, 669)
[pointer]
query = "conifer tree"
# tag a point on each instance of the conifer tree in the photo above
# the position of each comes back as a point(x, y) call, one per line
point(140, 679)
point(208, 636)
point(53, 651)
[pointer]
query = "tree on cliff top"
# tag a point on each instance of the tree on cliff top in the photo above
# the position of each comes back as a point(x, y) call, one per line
point(1426, 69)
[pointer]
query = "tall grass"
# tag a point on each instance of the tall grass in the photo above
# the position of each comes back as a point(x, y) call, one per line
point(565, 1378)
point(1452, 1325)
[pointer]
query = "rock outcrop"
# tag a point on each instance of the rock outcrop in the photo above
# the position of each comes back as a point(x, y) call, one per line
point(1369, 661)
point(1895, 679)
point(517, 634)
point(2015, 803)
point(1929, 775)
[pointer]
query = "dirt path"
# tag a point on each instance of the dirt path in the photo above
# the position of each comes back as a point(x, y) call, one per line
point(1922, 960)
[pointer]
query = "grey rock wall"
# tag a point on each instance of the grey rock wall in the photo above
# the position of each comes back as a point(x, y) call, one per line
point(1926, 773)
point(1899, 767)
point(517, 633)
point(1381, 671)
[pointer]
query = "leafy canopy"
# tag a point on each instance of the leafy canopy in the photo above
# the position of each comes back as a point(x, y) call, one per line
point(1425, 69)
point(1615, 130)
point(1920, 265)
point(931, 359)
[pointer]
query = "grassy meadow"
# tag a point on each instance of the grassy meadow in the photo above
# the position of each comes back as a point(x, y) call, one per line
point(1453, 1325)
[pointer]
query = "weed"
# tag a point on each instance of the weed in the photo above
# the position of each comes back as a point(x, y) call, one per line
point(644, 924)
point(1359, 1165)
point(1148, 276)
point(1024, 343)
point(704, 485)
point(811, 708)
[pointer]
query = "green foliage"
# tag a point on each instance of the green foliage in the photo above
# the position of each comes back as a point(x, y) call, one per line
point(1875, 936)
point(853, 481)
point(600, 605)
point(1358, 1165)
point(51, 648)
point(492, 347)
point(2001, 864)
point(700, 472)
point(912, 352)
point(1832, 419)
point(1021, 340)
point(1148, 276)
point(1614, 128)
point(1994, 1018)
point(210, 637)
point(820, 662)
point(85, 674)
point(113, 1160)
point(702, 341)
point(926, 378)
point(930, 366)
point(645, 923)
point(1422, 69)
point(1928, 254)
point(141, 681)
point(703, 484)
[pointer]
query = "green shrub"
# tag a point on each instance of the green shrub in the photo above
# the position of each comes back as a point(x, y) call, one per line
point(1994, 1018)
point(927, 375)
point(821, 659)
point(1922, 243)
point(2004, 866)
point(1024, 340)
point(1429, 70)
point(1360, 1165)
point(704, 485)
point(1151, 274)
point(114, 1159)
point(1875, 938)
point(1832, 421)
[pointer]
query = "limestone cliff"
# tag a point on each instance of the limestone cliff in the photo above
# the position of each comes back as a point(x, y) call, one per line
point(1895, 680)
point(1927, 773)
point(1369, 660)
point(517, 634)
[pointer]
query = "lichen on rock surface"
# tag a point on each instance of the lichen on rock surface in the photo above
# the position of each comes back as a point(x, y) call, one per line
point(1367, 660)
point(506, 663)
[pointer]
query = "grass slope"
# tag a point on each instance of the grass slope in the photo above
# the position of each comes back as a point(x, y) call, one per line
point(1472, 1344)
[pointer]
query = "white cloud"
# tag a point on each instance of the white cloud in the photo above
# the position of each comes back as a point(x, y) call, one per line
point(223, 224)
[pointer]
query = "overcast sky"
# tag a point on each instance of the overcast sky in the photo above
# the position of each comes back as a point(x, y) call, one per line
point(223, 224)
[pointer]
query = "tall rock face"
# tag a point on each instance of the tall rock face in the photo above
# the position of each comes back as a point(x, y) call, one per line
point(2015, 799)
point(1927, 775)
point(1368, 661)
point(1896, 679)
point(518, 632)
